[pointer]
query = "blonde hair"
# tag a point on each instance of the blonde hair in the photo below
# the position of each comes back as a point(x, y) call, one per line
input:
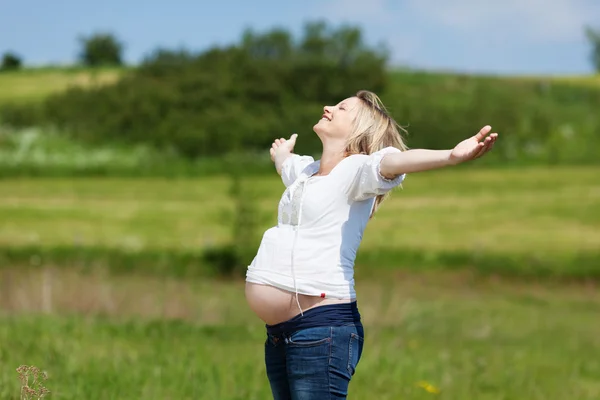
point(374, 129)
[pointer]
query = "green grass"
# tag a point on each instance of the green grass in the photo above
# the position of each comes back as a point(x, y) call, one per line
point(534, 221)
point(577, 80)
point(31, 85)
point(134, 338)
point(38, 152)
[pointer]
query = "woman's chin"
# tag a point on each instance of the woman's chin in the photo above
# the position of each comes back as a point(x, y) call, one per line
point(318, 129)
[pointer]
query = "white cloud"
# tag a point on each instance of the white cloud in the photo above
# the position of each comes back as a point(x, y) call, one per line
point(547, 20)
point(529, 20)
point(475, 35)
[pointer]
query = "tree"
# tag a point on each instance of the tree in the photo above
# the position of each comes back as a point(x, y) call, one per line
point(10, 62)
point(274, 45)
point(205, 103)
point(101, 49)
point(593, 36)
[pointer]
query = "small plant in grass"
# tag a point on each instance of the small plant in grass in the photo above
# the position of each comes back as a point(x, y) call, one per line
point(32, 382)
point(234, 257)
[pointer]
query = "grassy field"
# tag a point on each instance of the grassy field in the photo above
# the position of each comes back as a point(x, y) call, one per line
point(37, 152)
point(130, 338)
point(579, 80)
point(543, 218)
point(35, 84)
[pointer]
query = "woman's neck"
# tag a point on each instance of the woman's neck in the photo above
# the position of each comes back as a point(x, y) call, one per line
point(331, 157)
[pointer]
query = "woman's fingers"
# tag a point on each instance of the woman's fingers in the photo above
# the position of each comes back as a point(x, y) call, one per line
point(484, 131)
point(478, 150)
point(281, 141)
point(488, 144)
point(485, 147)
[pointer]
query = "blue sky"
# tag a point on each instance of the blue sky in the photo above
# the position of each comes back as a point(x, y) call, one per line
point(484, 36)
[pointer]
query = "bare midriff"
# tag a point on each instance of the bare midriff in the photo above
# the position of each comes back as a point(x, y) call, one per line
point(274, 305)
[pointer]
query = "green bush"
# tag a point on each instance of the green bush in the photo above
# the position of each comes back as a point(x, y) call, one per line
point(271, 84)
point(540, 122)
point(10, 62)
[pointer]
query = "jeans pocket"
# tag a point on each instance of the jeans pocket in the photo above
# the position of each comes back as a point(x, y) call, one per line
point(355, 347)
point(310, 337)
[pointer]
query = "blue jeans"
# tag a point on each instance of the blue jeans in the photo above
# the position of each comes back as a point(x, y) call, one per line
point(313, 363)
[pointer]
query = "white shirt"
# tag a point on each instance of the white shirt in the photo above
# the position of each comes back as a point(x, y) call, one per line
point(320, 225)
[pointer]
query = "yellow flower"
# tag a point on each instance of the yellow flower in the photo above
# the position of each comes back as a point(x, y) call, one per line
point(428, 387)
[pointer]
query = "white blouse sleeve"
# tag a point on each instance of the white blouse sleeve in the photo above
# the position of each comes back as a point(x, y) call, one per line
point(293, 166)
point(367, 181)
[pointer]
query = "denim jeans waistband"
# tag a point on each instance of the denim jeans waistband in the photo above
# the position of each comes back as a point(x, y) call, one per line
point(327, 315)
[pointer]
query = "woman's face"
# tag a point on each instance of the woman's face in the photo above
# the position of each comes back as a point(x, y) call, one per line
point(337, 121)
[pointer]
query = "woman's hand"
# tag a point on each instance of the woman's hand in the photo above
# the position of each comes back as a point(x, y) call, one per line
point(281, 149)
point(473, 147)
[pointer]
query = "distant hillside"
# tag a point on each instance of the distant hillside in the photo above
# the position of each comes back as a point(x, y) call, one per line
point(542, 120)
point(35, 84)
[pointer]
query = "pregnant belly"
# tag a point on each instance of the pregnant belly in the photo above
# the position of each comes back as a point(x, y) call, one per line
point(274, 305)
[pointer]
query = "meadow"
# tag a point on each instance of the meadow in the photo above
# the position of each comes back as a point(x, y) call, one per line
point(427, 337)
point(433, 331)
point(529, 222)
point(473, 283)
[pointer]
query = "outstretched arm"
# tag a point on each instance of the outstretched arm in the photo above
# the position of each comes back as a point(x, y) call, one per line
point(281, 149)
point(288, 164)
point(422, 159)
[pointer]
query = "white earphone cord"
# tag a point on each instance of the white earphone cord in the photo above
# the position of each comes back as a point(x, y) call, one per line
point(294, 245)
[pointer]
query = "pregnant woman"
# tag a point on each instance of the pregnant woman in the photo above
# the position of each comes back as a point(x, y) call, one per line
point(301, 282)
